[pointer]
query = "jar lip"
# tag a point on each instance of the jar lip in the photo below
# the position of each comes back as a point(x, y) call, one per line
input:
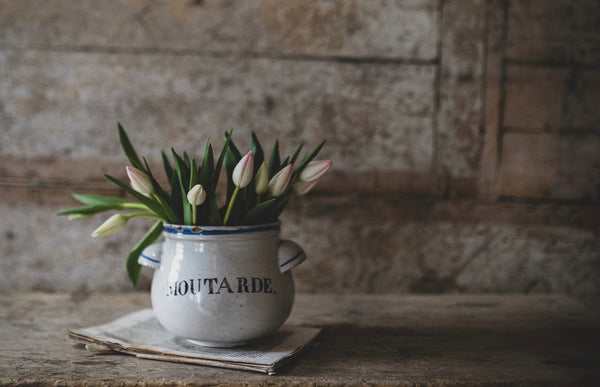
point(181, 230)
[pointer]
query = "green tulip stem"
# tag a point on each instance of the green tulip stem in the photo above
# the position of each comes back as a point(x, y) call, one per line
point(230, 206)
point(134, 206)
point(194, 214)
point(170, 215)
point(145, 214)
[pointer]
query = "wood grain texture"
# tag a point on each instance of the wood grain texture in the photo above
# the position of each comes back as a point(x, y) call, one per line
point(405, 30)
point(559, 31)
point(536, 97)
point(550, 166)
point(464, 134)
point(374, 340)
point(374, 116)
point(461, 85)
point(379, 245)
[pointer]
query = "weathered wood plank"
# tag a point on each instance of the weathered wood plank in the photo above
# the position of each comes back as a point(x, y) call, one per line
point(377, 116)
point(354, 243)
point(552, 98)
point(560, 31)
point(375, 340)
point(50, 181)
point(550, 166)
point(404, 29)
point(459, 121)
point(494, 67)
point(533, 97)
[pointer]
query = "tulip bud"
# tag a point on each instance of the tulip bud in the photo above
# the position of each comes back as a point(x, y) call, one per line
point(261, 180)
point(242, 173)
point(139, 181)
point(111, 226)
point(314, 170)
point(196, 195)
point(280, 181)
point(302, 187)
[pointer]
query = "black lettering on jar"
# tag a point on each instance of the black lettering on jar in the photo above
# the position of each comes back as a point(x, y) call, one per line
point(224, 285)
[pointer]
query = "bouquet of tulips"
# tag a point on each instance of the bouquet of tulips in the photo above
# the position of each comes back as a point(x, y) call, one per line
point(257, 190)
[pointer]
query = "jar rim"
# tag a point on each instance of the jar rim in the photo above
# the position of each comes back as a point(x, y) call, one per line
point(188, 230)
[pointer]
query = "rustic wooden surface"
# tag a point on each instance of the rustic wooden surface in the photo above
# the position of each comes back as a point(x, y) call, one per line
point(367, 339)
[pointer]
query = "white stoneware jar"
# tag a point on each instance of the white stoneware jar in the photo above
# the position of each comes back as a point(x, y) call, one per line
point(222, 286)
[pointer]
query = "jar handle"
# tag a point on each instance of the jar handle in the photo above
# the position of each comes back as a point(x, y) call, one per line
point(290, 255)
point(151, 255)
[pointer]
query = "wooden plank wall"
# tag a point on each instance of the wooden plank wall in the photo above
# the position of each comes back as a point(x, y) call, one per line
point(465, 134)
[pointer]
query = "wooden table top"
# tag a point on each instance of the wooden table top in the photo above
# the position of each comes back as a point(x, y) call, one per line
point(367, 339)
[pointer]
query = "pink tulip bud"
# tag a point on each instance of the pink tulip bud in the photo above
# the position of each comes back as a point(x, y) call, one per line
point(242, 173)
point(314, 170)
point(280, 181)
point(302, 187)
point(139, 181)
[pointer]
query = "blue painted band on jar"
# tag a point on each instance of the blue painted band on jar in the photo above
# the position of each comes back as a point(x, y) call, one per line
point(218, 230)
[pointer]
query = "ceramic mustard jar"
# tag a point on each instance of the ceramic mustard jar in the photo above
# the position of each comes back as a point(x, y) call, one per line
point(222, 286)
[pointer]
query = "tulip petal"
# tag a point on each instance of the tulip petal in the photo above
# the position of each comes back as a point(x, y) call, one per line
point(280, 181)
point(139, 181)
point(111, 226)
point(242, 173)
point(314, 170)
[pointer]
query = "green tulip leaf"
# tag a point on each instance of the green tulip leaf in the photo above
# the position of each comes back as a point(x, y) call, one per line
point(128, 149)
point(167, 166)
point(133, 267)
point(274, 160)
point(150, 203)
point(307, 159)
point(258, 214)
point(91, 200)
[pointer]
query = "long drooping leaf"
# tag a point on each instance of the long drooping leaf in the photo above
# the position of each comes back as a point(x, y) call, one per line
point(88, 210)
point(128, 149)
point(153, 205)
point(91, 200)
point(99, 203)
point(133, 267)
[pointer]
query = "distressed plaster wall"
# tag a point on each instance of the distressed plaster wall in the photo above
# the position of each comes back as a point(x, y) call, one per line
point(465, 134)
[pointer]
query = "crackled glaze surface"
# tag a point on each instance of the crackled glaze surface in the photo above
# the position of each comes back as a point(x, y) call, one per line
point(221, 286)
